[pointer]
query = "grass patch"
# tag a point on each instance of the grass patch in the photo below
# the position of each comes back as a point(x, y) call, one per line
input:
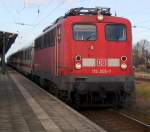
point(143, 89)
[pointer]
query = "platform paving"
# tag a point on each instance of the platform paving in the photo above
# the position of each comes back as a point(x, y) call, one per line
point(25, 107)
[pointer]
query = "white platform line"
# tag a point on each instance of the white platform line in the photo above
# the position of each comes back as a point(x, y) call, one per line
point(44, 118)
point(88, 121)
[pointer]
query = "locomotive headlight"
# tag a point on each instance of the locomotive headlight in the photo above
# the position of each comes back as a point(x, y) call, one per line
point(78, 66)
point(100, 17)
point(124, 66)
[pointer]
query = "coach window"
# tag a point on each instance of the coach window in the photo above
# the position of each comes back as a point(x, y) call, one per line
point(48, 35)
point(52, 38)
point(42, 42)
point(115, 32)
point(58, 34)
point(38, 43)
point(53, 35)
point(84, 32)
point(48, 39)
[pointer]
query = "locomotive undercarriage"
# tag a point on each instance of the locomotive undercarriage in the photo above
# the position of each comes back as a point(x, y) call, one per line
point(93, 91)
point(99, 91)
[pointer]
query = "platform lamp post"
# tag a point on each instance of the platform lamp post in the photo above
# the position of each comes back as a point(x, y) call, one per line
point(3, 53)
point(4, 42)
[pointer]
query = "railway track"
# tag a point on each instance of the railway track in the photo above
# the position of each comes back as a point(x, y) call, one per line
point(113, 121)
point(144, 77)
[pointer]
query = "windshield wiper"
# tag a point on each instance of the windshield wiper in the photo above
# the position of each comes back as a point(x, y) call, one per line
point(91, 35)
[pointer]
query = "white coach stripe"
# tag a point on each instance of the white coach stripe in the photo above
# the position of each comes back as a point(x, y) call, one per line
point(44, 118)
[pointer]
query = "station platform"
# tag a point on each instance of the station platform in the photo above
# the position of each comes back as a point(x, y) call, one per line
point(25, 107)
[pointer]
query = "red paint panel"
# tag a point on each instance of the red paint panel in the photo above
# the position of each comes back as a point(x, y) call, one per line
point(102, 48)
point(44, 60)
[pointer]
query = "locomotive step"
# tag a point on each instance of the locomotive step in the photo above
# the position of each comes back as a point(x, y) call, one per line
point(25, 107)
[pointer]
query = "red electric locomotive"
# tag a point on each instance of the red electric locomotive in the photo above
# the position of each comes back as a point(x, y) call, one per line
point(86, 58)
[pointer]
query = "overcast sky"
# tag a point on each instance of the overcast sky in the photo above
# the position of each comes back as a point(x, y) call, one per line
point(37, 14)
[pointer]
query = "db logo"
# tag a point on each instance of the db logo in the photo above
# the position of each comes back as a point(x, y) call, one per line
point(101, 62)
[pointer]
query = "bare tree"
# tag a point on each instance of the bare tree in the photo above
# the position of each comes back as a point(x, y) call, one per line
point(141, 53)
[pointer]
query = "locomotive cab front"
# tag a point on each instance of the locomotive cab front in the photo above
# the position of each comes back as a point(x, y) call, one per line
point(98, 52)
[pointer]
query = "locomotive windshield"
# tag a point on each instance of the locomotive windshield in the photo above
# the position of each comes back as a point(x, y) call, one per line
point(116, 32)
point(84, 32)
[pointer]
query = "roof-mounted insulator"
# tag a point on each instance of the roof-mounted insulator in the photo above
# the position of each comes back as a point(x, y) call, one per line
point(88, 11)
point(81, 11)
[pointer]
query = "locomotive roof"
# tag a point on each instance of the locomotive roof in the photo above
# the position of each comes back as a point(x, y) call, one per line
point(88, 11)
point(81, 11)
